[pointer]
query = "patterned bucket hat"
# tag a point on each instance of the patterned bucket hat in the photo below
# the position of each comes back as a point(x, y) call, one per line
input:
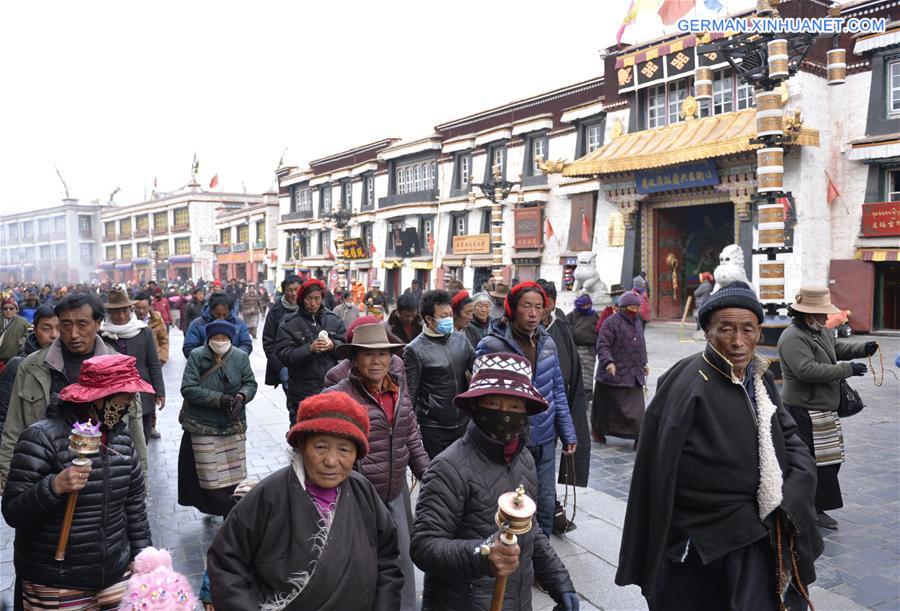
point(502, 373)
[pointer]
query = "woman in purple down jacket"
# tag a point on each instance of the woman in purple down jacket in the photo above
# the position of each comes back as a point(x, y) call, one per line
point(622, 372)
point(375, 378)
point(520, 332)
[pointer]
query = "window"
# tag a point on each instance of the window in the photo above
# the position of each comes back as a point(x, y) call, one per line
point(144, 249)
point(243, 234)
point(722, 92)
point(415, 177)
point(496, 157)
point(182, 219)
point(44, 227)
point(536, 146)
point(110, 253)
point(392, 227)
point(87, 253)
point(656, 103)
point(59, 252)
point(302, 201)
point(59, 224)
point(142, 223)
point(744, 95)
point(325, 242)
point(426, 234)
point(676, 95)
point(182, 245)
point(486, 220)
point(45, 253)
point(84, 224)
point(892, 186)
point(325, 200)
point(538, 153)
point(126, 251)
point(225, 236)
point(109, 230)
point(893, 87)
point(160, 221)
point(366, 232)
point(369, 196)
point(347, 195)
point(593, 137)
point(27, 229)
point(260, 231)
point(462, 172)
point(125, 227)
point(162, 249)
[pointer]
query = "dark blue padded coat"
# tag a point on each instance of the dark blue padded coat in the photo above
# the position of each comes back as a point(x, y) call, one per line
point(546, 377)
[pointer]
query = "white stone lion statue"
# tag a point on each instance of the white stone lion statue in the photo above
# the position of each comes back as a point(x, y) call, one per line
point(587, 280)
point(731, 268)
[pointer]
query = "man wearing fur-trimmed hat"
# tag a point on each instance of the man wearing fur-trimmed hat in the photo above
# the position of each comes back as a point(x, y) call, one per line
point(722, 482)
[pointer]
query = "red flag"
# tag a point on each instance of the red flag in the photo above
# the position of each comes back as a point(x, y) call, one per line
point(372, 250)
point(585, 228)
point(673, 10)
point(214, 182)
point(785, 205)
point(431, 242)
point(833, 193)
point(550, 232)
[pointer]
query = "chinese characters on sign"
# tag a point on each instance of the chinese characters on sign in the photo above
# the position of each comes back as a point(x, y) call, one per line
point(881, 219)
point(528, 222)
point(697, 174)
point(355, 248)
point(478, 244)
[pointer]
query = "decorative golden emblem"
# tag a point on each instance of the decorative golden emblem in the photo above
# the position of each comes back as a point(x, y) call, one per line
point(793, 123)
point(689, 108)
point(550, 166)
point(680, 60)
point(649, 69)
point(617, 128)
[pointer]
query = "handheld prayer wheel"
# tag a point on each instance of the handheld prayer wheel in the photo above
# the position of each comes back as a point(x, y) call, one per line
point(778, 58)
point(837, 66)
point(84, 440)
point(514, 513)
point(770, 169)
point(703, 83)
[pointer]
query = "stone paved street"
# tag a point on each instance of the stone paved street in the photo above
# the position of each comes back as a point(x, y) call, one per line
point(858, 570)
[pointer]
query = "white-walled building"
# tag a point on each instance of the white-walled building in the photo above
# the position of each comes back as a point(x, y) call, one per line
point(248, 241)
point(172, 237)
point(60, 245)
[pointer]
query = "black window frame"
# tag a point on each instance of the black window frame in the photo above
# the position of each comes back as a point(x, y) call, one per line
point(489, 150)
point(367, 233)
point(394, 198)
point(531, 176)
point(391, 224)
point(324, 242)
point(347, 194)
point(323, 210)
point(368, 200)
point(454, 216)
point(581, 142)
point(296, 213)
point(458, 188)
point(424, 248)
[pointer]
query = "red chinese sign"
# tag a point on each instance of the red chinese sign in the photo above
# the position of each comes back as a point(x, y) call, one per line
point(881, 219)
point(527, 225)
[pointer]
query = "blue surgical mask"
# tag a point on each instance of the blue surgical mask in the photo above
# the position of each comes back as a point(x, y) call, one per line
point(444, 326)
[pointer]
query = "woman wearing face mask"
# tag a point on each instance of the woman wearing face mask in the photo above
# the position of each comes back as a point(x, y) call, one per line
point(810, 356)
point(217, 384)
point(456, 506)
point(621, 373)
point(111, 494)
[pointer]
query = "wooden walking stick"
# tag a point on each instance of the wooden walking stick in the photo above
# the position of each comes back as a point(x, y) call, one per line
point(84, 440)
point(514, 512)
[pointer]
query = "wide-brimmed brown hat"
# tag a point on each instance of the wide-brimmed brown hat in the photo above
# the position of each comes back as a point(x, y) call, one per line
point(616, 289)
point(117, 299)
point(369, 337)
point(500, 291)
point(814, 300)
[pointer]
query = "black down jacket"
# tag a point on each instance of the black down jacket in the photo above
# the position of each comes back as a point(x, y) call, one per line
point(110, 525)
point(435, 373)
point(270, 334)
point(455, 514)
point(306, 370)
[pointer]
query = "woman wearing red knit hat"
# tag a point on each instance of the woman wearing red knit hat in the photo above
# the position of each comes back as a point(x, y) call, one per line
point(520, 332)
point(278, 550)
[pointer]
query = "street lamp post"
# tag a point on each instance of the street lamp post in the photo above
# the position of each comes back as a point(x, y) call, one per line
point(340, 218)
point(496, 190)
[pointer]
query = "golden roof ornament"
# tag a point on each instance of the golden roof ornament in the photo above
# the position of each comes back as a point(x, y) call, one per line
point(550, 166)
point(783, 90)
point(617, 128)
point(689, 108)
point(793, 123)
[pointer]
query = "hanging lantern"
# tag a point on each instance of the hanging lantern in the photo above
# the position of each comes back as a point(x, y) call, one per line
point(771, 226)
point(770, 169)
point(837, 66)
point(771, 281)
point(778, 58)
point(703, 83)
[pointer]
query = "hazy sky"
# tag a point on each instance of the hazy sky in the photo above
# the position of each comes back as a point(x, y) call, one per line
point(117, 93)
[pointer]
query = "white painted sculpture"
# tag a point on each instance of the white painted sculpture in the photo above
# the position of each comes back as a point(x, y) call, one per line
point(731, 268)
point(588, 282)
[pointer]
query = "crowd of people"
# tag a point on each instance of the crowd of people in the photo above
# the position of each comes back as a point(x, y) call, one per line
point(473, 393)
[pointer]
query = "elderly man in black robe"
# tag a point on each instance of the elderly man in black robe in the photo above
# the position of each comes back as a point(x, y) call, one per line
point(721, 509)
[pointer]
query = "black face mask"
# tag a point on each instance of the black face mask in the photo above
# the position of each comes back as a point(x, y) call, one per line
point(502, 426)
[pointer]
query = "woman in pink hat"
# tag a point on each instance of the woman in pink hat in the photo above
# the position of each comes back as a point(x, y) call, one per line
point(110, 523)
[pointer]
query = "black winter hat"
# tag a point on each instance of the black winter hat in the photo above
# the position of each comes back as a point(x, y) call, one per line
point(735, 295)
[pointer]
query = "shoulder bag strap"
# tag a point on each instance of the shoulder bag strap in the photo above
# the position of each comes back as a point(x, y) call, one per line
point(217, 366)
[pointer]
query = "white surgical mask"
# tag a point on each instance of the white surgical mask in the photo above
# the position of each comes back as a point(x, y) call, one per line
point(220, 347)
